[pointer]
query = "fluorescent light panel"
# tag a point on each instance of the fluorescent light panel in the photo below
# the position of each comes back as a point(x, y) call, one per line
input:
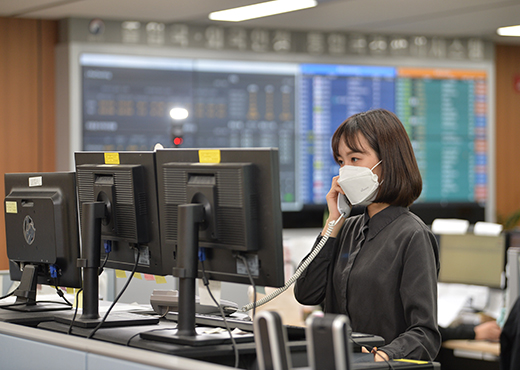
point(260, 10)
point(509, 31)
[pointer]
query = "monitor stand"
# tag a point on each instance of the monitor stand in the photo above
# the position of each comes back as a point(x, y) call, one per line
point(190, 216)
point(26, 295)
point(93, 214)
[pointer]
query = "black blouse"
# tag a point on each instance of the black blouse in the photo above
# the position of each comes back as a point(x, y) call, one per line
point(382, 273)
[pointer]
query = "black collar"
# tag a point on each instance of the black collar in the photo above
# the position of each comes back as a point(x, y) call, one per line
point(382, 219)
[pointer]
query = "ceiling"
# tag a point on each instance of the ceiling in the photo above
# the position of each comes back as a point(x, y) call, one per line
point(448, 18)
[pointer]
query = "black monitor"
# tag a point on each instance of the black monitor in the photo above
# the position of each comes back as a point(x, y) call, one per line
point(118, 210)
point(126, 183)
point(41, 225)
point(224, 204)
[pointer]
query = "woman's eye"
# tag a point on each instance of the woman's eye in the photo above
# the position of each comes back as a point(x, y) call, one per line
point(354, 160)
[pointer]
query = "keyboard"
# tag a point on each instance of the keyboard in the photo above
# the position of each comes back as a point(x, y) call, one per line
point(294, 333)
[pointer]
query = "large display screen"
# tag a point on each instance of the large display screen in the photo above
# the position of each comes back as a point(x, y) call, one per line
point(132, 103)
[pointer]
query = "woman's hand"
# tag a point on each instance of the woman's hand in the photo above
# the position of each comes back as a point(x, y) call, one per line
point(379, 356)
point(332, 204)
point(332, 198)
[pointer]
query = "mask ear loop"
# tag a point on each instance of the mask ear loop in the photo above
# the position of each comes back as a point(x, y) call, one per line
point(377, 164)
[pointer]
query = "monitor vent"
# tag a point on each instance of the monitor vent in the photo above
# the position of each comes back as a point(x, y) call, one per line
point(126, 207)
point(175, 185)
point(175, 194)
point(230, 189)
point(231, 226)
point(142, 204)
point(84, 182)
point(171, 222)
point(84, 185)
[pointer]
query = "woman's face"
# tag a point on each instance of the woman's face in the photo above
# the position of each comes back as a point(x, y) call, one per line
point(367, 157)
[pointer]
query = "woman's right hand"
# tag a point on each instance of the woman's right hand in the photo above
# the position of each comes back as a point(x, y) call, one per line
point(332, 204)
point(332, 198)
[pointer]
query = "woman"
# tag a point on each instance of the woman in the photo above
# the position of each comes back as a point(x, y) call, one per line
point(379, 268)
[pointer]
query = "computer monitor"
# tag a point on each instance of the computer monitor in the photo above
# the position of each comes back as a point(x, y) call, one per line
point(472, 259)
point(118, 208)
point(225, 204)
point(42, 236)
point(125, 182)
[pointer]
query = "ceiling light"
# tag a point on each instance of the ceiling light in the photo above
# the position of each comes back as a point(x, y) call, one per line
point(259, 10)
point(509, 31)
point(179, 114)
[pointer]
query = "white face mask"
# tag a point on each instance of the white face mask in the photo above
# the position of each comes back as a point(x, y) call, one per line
point(359, 183)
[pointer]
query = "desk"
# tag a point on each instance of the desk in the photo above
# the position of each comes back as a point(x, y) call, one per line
point(23, 347)
point(128, 336)
point(27, 347)
point(31, 348)
point(469, 354)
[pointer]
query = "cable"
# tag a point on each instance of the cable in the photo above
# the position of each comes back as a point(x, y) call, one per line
point(244, 260)
point(427, 352)
point(102, 267)
point(107, 245)
point(298, 272)
point(166, 311)
point(118, 296)
point(233, 343)
point(135, 335)
point(75, 311)
point(7, 295)
point(370, 348)
point(130, 339)
point(60, 292)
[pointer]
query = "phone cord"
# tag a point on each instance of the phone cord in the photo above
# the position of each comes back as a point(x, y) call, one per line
point(306, 262)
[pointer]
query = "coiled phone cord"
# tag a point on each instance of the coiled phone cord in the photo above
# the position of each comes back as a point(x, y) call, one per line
point(298, 272)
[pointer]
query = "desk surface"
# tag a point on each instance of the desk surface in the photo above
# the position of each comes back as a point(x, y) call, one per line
point(129, 336)
point(492, 348)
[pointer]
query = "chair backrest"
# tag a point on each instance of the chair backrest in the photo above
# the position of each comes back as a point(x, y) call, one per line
point(271, 341)
point(328, 342)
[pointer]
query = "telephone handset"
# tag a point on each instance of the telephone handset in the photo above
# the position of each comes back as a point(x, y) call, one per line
point(344, 206)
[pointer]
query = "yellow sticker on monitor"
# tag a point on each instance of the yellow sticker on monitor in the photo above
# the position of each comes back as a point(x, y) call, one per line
point(111, 158)
point(209, 156)
point(11, 207)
